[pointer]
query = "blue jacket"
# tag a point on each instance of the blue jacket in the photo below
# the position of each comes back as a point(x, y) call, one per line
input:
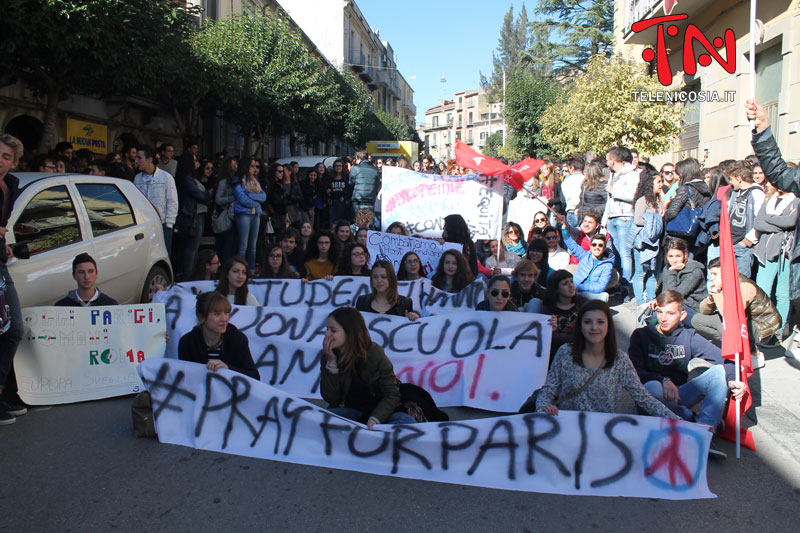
point(647, 238)
point(245, 201)
point(365, 182)
point(591, 276)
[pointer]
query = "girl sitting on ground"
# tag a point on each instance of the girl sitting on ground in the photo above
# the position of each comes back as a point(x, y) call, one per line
point(385, 298)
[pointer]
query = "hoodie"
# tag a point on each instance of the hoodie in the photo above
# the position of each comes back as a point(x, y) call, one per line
point(656, 356)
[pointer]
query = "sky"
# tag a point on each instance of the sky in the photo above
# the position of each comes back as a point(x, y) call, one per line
point(431, 38)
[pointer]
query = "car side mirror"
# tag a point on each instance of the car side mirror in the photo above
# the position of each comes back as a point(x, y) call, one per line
point(20, 250)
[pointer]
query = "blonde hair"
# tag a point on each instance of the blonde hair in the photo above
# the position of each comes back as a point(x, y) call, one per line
point(13, 143)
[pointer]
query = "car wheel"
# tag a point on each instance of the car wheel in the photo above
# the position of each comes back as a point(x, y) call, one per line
point(156, 276)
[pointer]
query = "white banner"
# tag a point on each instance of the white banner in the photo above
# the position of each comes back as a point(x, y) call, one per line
point(393, 247)
point(344, 291)
point(421, 201)
point(74, 354)
point(478, 359)
point(573, 453)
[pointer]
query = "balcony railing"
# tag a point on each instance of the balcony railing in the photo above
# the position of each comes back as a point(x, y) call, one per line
point(356, 61)
point(638, 10)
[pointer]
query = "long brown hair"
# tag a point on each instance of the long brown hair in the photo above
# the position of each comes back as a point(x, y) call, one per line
point(463, 276)
point(391, 293)
point(579, 341)
point(357, 340)
point(240, 296)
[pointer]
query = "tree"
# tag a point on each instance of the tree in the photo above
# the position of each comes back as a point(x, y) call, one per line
point(585, 28)
point(494, 144)
point(266, 78)
point(510, 54)
point(61, 47)
point(600, 111)
point(527, 97)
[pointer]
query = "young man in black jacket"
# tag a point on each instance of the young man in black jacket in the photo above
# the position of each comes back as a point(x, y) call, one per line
point(84, 272)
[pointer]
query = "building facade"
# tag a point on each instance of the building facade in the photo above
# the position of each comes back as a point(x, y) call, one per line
point(469, 116)
point(343, 36)
point(717, 128)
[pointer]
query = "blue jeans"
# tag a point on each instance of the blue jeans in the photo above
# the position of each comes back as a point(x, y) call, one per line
point(644, 280)
point(744, 259)
point(765, 279)
point(355, 414)
point(11, 338)
point(710, 386)
point(247, 228)
point(618, 228)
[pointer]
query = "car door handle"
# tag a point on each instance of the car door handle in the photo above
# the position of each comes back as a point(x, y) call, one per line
point(139, 236)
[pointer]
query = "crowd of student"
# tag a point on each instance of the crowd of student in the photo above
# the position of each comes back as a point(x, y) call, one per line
point(608, 231)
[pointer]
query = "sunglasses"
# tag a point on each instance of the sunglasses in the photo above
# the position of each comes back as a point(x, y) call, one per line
point(668, 172)
point(504, 293)
point(598, 245)
point(512, 231)
point(540, 220)
point(552, 237)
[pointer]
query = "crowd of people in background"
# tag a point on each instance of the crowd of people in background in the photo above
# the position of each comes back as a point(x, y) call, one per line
point(612, 229)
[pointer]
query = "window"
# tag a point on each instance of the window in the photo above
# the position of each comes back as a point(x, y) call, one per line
point(459, 120)
point(469, 119)
point(769, 67)
point(436, 121)
point(48, 221)
point(108, 208)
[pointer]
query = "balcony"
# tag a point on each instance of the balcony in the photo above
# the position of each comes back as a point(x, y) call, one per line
point(410, 107)
point(357, 61)
point(368, 75)
point(636, 10)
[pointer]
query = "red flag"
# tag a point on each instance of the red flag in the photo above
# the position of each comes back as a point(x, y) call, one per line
point(489, 166)
point(469, 158)
point(735, 337)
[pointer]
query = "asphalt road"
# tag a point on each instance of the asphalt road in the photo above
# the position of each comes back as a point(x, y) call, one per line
point(79, 468)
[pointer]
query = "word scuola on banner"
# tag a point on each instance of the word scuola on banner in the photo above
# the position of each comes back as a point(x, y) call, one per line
point(74, 354)
point(468, 358)
point(575, 452)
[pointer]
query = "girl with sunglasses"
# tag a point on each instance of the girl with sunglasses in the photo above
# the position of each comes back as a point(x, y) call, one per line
point(539, 221)
point(513, 241)
point(498, 296)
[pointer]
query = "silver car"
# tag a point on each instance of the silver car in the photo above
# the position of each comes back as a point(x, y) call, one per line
point(60, 216)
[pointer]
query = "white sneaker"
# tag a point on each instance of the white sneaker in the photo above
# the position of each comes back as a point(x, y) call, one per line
point(757, 360)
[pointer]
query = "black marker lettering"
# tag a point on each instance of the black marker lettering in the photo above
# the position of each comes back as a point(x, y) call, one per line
point(447, 447)
point(398, 445)
point(626, 452)
point(489, 444)
point(270, 415)
point(582, 451)
point(327, 426)
point(534, 440)
point(294, 415)
point(351, 443)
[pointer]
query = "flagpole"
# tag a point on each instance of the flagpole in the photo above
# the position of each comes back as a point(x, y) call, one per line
point(753, 30)
point(738, 411)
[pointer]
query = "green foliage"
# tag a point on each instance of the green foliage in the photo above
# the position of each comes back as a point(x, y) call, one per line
point(96, 47)
point(510, 54)
point(600, 111)
point(398, 129)
point(527, 97)
point(584, 28)
point(494, 143)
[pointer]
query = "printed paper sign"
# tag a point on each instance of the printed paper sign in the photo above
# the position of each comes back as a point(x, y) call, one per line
point(74, 354)
point(392, 247)
point(479, 359)
point(421, 201)
point(573, 453)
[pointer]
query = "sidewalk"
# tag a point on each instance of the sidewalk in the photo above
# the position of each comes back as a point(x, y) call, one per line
point(776, 400)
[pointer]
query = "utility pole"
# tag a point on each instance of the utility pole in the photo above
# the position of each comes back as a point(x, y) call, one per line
point(504, 108)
